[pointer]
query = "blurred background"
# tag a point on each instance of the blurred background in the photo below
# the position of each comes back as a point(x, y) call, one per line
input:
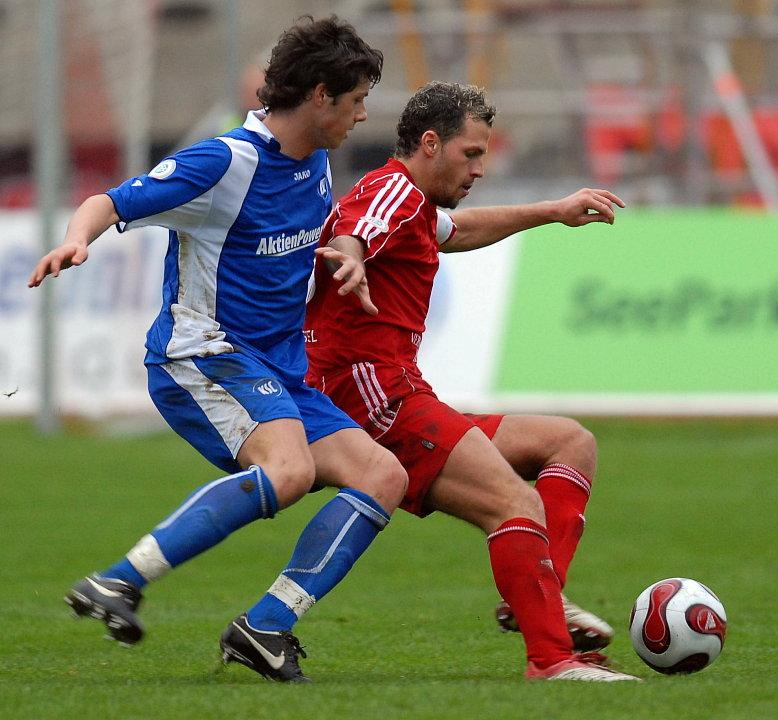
point(671, 104)
point(671, 312)
point(677, 102)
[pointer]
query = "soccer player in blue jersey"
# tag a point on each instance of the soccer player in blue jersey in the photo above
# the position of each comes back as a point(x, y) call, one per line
point(225, 356)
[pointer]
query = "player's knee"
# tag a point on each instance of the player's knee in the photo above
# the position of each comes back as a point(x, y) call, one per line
point(582, 446)
point(525, 501)
point(291, 478)
point(572, 444)
point(393, 481)
point(513, 499)
point(385, 480)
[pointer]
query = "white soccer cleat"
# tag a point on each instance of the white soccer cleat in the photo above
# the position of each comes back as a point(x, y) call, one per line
point(587, 630)
point(584, 667)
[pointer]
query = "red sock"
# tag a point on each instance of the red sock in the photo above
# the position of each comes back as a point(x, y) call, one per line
point(565, 492)
point(524, 576)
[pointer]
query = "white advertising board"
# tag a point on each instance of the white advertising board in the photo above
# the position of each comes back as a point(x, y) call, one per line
point(104, 307)
point(101, 313)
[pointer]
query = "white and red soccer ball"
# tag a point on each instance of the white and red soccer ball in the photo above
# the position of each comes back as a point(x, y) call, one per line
point(678, 626)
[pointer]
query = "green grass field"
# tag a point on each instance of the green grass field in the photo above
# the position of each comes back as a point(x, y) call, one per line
point(410, 633)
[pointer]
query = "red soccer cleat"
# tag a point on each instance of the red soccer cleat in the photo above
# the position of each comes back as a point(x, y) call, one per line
point(584, 667)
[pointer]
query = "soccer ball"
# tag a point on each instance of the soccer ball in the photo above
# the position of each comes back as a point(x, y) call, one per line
point(677, 626)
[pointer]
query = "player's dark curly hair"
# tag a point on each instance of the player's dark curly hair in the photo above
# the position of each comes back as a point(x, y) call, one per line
point(312, 51)
point(442, 107)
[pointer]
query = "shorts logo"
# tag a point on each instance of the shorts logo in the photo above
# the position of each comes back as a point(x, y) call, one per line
point(164, 170)
point(427, 444)
point(378, 223)
point(268, 386)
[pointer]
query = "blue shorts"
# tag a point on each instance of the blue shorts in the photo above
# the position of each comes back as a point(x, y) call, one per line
point(215, 403)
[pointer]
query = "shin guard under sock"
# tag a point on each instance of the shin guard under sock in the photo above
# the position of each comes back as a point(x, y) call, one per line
point(525, 577)
point(565, 492)
point(327, 548)
point(206, 517)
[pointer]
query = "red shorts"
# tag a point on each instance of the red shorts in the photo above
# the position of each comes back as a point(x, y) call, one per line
point(400, 411)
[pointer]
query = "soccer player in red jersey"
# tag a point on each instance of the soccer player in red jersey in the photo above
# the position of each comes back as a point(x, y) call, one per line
point(469, 466)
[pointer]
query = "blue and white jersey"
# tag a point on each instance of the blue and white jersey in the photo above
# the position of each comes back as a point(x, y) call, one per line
point(244, 221)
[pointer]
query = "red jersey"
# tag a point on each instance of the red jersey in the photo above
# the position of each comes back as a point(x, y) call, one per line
point(401, 231)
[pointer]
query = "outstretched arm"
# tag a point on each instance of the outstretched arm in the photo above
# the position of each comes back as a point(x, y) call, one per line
point(479, 227)
point(344, 256)
point(92, 218)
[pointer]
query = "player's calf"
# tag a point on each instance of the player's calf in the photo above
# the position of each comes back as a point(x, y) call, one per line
point(327, 549)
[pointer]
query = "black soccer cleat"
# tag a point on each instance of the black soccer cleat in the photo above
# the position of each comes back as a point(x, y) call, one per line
point(112, 601)
point(271, 654)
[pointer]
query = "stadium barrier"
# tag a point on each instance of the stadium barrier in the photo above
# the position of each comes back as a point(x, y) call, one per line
point(666, 312)
point(103, 310)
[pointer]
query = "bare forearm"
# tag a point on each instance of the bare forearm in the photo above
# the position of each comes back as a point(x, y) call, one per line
point(92, 218)
point(479, 227)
